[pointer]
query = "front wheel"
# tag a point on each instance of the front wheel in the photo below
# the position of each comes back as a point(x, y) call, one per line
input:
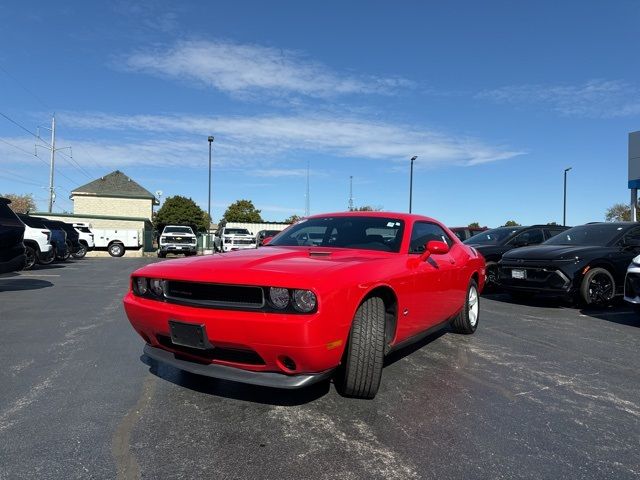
point(116, 250)
point(48, 258)
point(361, 370)
point(598, 287)
point(467, 320)
point(67, 252)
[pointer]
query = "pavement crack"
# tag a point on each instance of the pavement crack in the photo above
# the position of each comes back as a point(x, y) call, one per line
point(126, 463)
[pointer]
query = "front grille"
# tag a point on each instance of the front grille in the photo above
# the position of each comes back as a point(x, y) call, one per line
point(243, 241)
point(235, 355)
point(540, 277)
point(178, 240)
point(632, 285)
point(215, 295)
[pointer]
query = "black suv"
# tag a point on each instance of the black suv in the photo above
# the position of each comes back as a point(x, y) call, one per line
point(588, 262)
point(12, 258)
point(494, 243)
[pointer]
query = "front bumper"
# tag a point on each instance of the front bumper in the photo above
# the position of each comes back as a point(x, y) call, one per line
point(229, 247)
point(632, 285)
point(224, 372)
point(544, 279)
point(257, 346)
point(180, 248)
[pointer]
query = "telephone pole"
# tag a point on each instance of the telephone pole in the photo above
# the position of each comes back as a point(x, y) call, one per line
point(53, 159)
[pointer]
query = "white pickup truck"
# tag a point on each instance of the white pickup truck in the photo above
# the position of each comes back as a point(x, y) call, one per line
point(116, 241)
point(228, 239)
point(178, 239)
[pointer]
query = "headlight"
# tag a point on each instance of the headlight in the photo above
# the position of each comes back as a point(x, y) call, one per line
point(140, 286)
point(304, 300)
point(279, 297)
point(157, 287)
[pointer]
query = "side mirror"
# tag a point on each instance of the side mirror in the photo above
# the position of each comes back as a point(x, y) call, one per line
point(434, 247)
point(266, 241)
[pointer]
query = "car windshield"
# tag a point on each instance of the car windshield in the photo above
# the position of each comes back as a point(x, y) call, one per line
point(368, 233)
point(236, 231)
point(492, 237)
point(599, 234)
point(177, 230)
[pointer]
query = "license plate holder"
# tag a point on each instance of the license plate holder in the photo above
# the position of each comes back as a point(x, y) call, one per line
point(519, 274)
point(190, 335)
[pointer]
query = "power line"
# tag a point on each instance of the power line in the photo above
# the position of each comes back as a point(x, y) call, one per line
point(42, 102)
point(24, 128)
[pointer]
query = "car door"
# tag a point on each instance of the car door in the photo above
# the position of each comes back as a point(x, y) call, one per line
point(434, 281)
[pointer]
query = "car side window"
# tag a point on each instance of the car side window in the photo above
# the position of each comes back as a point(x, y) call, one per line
point(552, 232)
point(633, 237)
point(530, 237)
point(424, 232)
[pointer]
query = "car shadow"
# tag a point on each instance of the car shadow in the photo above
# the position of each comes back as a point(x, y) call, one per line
point(534, 301)
point(237, 390)
point(397, 355)
point(19, 284)
point(619, 313)
point(51, 266)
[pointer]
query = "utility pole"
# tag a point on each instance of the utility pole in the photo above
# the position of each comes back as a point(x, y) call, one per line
point(411, 183)
point(307, 206)
point(210, 140)
point(564, 208)
point(53, 159)
point(351, 193)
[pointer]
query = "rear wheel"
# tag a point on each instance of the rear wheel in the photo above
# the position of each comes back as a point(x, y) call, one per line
point(598, 287)
point(67, 253)
point(361, 371)
point(48, 258)
point(467, 320)
point(81, 252)
point(116, 250)
point(30, 255)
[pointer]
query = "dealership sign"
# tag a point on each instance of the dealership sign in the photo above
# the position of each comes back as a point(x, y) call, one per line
point(634, 160)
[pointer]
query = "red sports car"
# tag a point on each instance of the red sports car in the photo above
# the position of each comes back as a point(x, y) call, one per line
point(329, 296)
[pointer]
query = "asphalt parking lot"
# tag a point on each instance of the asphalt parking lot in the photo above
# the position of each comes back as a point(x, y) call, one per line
point(540, 391)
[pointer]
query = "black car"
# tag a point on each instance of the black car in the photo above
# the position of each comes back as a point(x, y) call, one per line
point(588, 262)
point(465, 233)
point(12, 257)
point(494, 243)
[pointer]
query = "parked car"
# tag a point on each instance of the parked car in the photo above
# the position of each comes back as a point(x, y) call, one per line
point(465, 233)
point(12, 256)
point(37, 242)
point(230, 239)
point(288, 315)
point(86, 239)
point(61, 249)
point(587, 263)
point(177, 239)
point(632, 284)
point(494, 243)
point(262, 234)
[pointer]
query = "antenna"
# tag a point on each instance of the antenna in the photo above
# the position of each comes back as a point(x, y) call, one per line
point(307, 206)
point(350, 193)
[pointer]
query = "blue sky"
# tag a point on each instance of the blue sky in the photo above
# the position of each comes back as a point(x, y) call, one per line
point(495, 98)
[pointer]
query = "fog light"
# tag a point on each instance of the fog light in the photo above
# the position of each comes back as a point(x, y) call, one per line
point(157, 287)
point(140, 286)
point(304, 300)
point(279, 297)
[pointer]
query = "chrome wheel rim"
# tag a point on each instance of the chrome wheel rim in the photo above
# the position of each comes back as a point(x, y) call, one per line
point(30, 258)
point(473, 306)
point(600, 288)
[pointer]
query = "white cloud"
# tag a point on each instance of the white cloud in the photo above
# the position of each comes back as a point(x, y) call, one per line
point(244, 141)
point(593, 99)
point(253, 69)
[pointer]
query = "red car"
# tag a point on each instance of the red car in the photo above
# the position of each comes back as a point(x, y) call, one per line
point(329, 296)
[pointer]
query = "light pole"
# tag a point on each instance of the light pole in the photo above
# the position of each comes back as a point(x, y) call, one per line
point(210, 139)
point(564, 210)
point(411, 182)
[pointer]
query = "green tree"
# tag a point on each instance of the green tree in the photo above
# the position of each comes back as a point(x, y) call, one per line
point(20, 203)
point(242, 211)
point(474, 225)
point(618, 213)
point(552, 223)
point(511, 223)
point(180, 210)
point(292, 219)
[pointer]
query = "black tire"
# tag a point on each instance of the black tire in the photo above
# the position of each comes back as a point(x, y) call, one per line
point(80, 253)
point(466, 321)
point(361, 370)
point(47, 260)
point(67, 254)
point(116, 249)
point(31, 256)
point(597, 288)
point(491, 283)
point(161, 254)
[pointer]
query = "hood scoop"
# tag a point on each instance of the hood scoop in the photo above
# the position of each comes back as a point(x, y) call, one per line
point(319, 253)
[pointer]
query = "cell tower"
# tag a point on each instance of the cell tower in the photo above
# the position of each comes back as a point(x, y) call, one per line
point(350, 192)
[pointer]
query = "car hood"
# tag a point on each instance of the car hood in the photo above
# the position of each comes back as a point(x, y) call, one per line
point(277, 266)
point(553, 252)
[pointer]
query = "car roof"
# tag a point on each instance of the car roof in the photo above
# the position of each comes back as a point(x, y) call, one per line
point(400, 216)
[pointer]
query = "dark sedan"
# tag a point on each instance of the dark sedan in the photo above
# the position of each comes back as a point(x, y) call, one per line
point(494, 243)
point(588, 263)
